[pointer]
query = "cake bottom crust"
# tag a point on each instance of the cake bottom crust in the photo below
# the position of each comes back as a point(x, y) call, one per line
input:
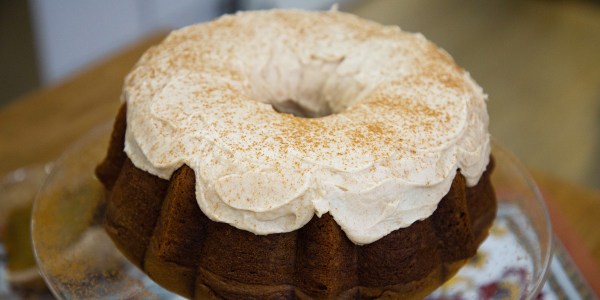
point(417, 289)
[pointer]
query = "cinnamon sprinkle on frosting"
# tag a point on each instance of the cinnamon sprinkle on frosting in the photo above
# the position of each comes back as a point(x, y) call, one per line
point(284, 114)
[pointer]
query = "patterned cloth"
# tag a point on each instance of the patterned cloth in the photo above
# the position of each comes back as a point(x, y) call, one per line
point(503, 269)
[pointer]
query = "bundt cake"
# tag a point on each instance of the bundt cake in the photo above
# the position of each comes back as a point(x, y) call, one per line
point(287, 154)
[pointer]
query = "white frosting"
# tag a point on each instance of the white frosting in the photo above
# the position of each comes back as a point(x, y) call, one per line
point(401, 118)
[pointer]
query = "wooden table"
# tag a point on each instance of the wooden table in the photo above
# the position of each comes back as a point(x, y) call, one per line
point(38, 127)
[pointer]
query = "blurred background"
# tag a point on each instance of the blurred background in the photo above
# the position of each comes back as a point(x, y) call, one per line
point(539, 61)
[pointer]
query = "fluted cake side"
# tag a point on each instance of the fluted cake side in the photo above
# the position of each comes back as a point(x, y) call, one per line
point(158, 225)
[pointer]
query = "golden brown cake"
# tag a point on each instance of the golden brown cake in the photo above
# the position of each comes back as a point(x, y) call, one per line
point(17, 262)
point(287, 154)
point(22, 272)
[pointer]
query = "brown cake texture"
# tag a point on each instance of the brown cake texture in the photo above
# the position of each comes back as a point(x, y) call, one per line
point(158, 225)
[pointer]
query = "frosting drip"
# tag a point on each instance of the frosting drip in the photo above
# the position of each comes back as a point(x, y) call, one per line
point(396, 120)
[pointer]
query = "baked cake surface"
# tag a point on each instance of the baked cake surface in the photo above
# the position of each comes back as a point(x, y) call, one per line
point(293, 154)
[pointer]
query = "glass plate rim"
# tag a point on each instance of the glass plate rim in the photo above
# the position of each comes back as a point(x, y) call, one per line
point(105, 127)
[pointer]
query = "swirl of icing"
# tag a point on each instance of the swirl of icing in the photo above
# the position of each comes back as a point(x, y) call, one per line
point(388, 120)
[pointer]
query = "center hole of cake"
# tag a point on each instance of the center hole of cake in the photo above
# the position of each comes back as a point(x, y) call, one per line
point(297, 109)
point(305, 88)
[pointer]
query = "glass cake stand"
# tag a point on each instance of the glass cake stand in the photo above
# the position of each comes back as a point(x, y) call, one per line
point(78, 260)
